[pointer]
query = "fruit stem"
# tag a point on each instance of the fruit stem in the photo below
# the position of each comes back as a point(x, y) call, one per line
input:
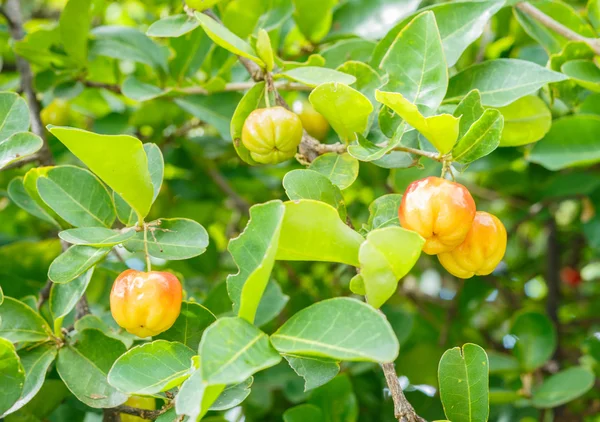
point(148, 262)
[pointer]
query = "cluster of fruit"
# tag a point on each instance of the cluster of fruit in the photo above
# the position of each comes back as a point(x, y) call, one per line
point(467, 242)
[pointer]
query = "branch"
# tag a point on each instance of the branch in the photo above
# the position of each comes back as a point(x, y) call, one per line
point(12, 12)
point(557, 27)
point(142, 413)
point(403, 410)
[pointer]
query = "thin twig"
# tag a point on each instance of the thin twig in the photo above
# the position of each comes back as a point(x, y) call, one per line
point(557, 27)
point(403, 410)
point(142, 413)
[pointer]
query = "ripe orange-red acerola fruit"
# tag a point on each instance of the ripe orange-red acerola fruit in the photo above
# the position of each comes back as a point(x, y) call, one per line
point(571, 276)
point(139, 402)
point(481, 251)
point(145, 303)
point(439, 210)
point(313, 122)
point(272, 135)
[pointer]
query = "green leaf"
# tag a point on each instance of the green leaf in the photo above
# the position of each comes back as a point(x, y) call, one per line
point(75, 23)
point(536, 339)
point(313, 18)
point(571, 141)
point(139, 91)
point(14, 115)
point(313, 76)
point(35, 362)
point(271, 304)
point(173, 26)
point(526, 120)
point(249, 102)
point(233, 395)
point(302, 413)
point(227, 39)
point(460, 23)
point(126, 43)
point(383, 212)
point(316, 372)
point(75, 261)
point(385, 257)
point(584, 72)
point(308, 184)
point(563, 387)
point(18, 146)
point(501, 363)
point(469, 110)
point(119, 160)
point(346, 109)
point(83, 366)
point(196, 396)
point(18, 194)
point(64, 297)
point(312, 231)
point(593, 13)
point(501, 81)
point(417, 54)
point(254, 254)
point(12, 375)
point(191, 50)
point(20, 323)
point(368, 151)
point(338, 329)
point(77, 196)
point(215, 109)
point(30, 185)
point(232, 349)
point(151, 368)
point(464, 384)
point(172, 239)
point(189, 325)
point(481, 139)
point(336, 400)
point(357, 50)
point(440, 130)
point(95, 236)
point(341, 169)
point(265, 50)
point(114, 331)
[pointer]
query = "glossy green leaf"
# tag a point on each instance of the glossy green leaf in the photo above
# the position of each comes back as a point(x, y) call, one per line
point(312, 231)
point(191, 50)
point(119, 160)
point(313, 76)
point(249, 102)
point(584, 72)
point(137, 90)
point(441, 130)
point(526, 120)
point(536, 339)
point(232, 350)
point(75, 23)
point(254, 253)
point(563, 387)
point(593, 13)
point(338, 329)
point(265, 50)
point(196, 396)
point(233, 395)
point(172, 239)
point(14, 115)
point(415, 62)
point(346, 109)
point(309, 184)
point(84, 364)
point(271, 304)
point(12, 375)
point(151, 368)
point(18, 146)
point(385, 257)
point(341, 169)
point(464, 384)
point(357, 50)
point(469, 110)
point(95, 236)
point(75, 261)
point(303, 412)
point(227, 39)
point(315, 372)
point(383, 212)
point(481, 139)
point(20, 323)
point(313, 18)
point(112, 330)
point(366, 150)
point(18, 194)
point(36, 362)
point(64, 297)
point(215, 109)
point(189, 325)
point(501, 81)
point(30, 185)
point(571, 141)
point(173, 26)
point(460, 23)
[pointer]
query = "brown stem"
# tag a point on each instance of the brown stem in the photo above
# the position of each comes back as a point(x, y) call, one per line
point(557, 27)
point(12, 12)
point(142, 413)
point(82, 308)
point(403, 410)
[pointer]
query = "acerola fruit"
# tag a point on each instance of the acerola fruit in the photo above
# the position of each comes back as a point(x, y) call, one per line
point(145, 304)
point(439, 210)
point(571, 276)
point(148, 403)
point(312, 121)
point(481, 251)
point(56, 113)
point(272, 135)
